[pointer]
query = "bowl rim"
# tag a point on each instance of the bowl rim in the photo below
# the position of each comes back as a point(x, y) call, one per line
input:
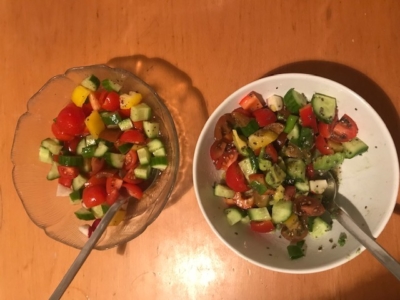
point(174, 141)
point(218, 111)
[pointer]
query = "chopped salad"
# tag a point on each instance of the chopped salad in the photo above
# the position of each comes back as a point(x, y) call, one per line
point(270, 152)
point(106, 144)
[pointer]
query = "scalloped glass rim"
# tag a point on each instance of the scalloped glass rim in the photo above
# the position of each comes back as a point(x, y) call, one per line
point(269, 251)
point(54, 215)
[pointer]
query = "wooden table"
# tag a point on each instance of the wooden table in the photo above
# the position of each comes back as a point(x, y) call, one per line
point(203, 51)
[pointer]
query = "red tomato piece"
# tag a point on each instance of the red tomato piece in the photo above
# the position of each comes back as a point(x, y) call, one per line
point(308, 118)
point(133, 136)
point(131, 159)
point(87, 108)
point(322, 146)
point(133, 190)
point(59, 134)
point(345, 130)
point(111, 101)
point(252, 101)
point(72, 144)
point(125, 112)
point(235, 178)
point(138, 125)
point(310, 172)
point(71, 120)
point(112, 197)
point(227, 158)
point(113, 183)
point(217, 149)
point(131, 178)
point(262, 226)
point(68, 172)
point(290, 192)
point(95, 180)
point(67, 182)
point(100, 96)
point(94, 195)
point(97, 165)
point(271, 152)
point(264, 116)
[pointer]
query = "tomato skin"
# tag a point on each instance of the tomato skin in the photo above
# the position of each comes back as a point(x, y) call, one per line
point(67, 182)
point(100, 96)
point(310, 172)
point(71, 120)
point(228, 157)
point(235, 178)
point(271, 152)
point(131, 159)
point(112, 197)
point(264, 116)
point(262, 226)
point(252, 101)
point(97, 165)
point(72, 144)
point(133, 136)
point(131, 178)
point(59, 134)
point(87, 108)
point(95, 180)
point(308, 118)
point(133, 190)
point(94, 195)
point(68, 172)
point(217, 149)
point(111, 101)
point(125, 112)
point(345, 129)
point(290, 192)
point(322, 146)
point(113, 183)
point(138, 125)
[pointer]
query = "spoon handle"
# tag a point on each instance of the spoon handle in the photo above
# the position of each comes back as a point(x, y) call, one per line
point(369, 243)
point(86, 249)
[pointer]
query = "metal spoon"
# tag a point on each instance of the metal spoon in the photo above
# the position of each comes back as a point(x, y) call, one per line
point(87, 248)
point(330, 201)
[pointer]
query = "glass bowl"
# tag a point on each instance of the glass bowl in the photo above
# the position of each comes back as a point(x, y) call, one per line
point(370, 181)
point(55, 215)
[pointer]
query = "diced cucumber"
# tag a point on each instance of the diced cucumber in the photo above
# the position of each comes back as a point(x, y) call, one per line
point(293, 100)
point(296, 168)
point(91, 82)
point(151, 129)
point(115, 159)
point(53, 146)
point(275, 176)
point(319, 228)
point(306, 138)
point(111, 119)
point(302, 186)
point(160, 152)
point(140, 112)
point(250, 128)
point(281, 211)
point(328, 162)
point(223, 191)
point(234, 215)
point(324, 107)
point(354, 147)
point(290, 123)
point(125, 124)
point(142, 171)
point(80, 146)
point(318, 186)
point(154, 145)
point(264, 164)
point(259, 214)
point(75, 197)
point(247, 167)
point(159, 162)
point(125, 148)
point(101, 149)
point(88, 152)
point(53, 173)
point(78, 182)
point(294, 133)
point(45, 155)
point(110, 85)
point(144, 155)
point(99, 210)
point(84, 214)
point(70, 160)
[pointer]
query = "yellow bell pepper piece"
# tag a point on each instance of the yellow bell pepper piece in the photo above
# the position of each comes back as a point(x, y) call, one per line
point(95, 124)
point(292, 222)
point(79, 95)
point(261, 138)
point(126, 101)
point(118, 218)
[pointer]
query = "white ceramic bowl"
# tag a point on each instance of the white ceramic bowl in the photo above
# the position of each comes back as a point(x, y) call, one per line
point(370, 181)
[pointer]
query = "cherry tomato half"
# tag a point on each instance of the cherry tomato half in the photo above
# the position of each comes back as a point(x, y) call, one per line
point(94, 195)
point(113, 183)
point(133, 190)
point(133, 136)
point(131, 159)
point(71, 120)
point(111, 102)
point(235, 178)
point(68, 172)
point(345, 130)
point(59, 134)
point(262, 226)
